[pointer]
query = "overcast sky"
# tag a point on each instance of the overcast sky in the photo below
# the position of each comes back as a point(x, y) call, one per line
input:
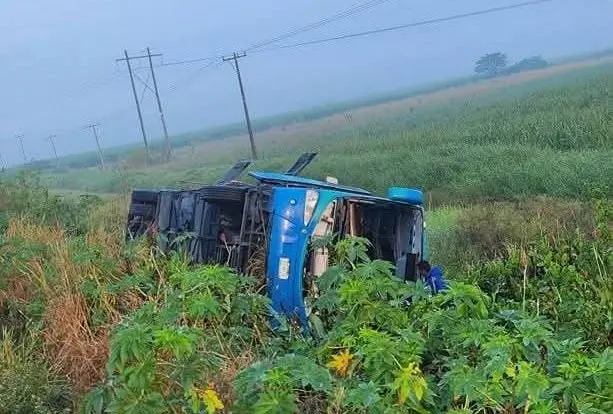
point(58, 70)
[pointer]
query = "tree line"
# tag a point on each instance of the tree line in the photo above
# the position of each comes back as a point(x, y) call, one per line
point(496, 64)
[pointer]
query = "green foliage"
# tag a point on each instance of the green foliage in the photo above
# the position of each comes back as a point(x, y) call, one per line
point(275, 388)
point(462, 351)
point(566, 279)
point(492, 342)
point(27, 384)
point(164, 355)
point(491, 64)
point(527, 329)
point(550, 136)
point(25, 195)
point(531, 63)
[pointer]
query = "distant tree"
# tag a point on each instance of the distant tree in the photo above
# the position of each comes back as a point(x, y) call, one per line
point(531, 63)
point(491, 64)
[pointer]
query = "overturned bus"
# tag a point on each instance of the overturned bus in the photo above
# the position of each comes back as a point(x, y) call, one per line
point(268, 228)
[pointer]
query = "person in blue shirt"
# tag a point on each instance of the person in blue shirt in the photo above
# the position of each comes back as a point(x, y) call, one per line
point(432, 276)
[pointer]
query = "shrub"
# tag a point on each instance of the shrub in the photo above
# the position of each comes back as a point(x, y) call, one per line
point(482, 232)
point(566, 278)
point(527, 330)
point(181, 350)
point(457, 352)
point(26, 196)
point(27, 384)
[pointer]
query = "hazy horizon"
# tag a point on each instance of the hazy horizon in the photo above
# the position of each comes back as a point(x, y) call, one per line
point(60, 73)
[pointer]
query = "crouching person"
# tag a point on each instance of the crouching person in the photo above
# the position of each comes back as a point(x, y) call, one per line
point(432, 276)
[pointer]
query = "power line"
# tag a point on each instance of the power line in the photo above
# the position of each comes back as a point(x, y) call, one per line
point(213, 61)
point(145, 84)
point(257, 48)
point(82, 87)
point(197, 60)
point(167, 152)
point(155, 91)
point(355, 9)
point(212, 65)
point(408, 25)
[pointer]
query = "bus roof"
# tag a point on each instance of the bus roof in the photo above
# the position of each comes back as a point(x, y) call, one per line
point(285, 179)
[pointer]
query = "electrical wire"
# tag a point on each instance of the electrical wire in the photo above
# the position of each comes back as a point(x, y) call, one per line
point(145, 86)
point(355, 9)
point(258, 47)
point(182, 82)
point(215, 61)
point(197, 60)
point(408, 25)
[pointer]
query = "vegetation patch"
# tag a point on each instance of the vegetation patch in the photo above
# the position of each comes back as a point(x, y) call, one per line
point(550, 137)
point(90, 325)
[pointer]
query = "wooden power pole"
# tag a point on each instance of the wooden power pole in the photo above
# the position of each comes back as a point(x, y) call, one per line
point(148, 56)
point(95, 132)
point(167, 152)
point(235, 57)
point(128, 59)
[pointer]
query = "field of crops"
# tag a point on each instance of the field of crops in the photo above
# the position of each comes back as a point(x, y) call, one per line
point(550, 136)
point(519, 182)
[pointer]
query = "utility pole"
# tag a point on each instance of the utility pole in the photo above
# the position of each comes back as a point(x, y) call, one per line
point(23, 151)
point(93, 128)
point(52, 143)
point(167, 153)
point(235, 57)
point(127, 59)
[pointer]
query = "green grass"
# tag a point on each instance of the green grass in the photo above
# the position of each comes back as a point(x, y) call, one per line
point(460, 236)
point(126, 152)
point(130, 152)
point(552, 136)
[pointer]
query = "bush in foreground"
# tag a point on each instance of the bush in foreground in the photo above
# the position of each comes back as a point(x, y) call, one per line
point(204, 344)
point(27, 384)
point(527, 331)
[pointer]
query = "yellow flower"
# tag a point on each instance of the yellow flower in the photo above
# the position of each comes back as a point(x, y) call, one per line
point(340, 362)
point(211, 400)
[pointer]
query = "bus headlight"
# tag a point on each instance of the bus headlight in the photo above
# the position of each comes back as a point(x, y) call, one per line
point(312, 196)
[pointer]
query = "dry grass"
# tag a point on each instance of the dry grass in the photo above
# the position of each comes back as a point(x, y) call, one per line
point(72, 347)
point(224, 382)
point(26, 230)
point(17, 290)
point(70, 344)
point(110, 216)
point(55, 275)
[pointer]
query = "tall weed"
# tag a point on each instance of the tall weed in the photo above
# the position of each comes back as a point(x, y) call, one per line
point(27, 383)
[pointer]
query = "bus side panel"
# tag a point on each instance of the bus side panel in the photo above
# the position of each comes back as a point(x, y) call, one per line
point(286, 253)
